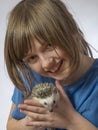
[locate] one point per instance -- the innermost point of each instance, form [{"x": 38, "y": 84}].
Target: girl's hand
[
  {"x": 25, "y": 127},
  {"x": 61, "y": 117},
  {"x": 27, "y": 108}
]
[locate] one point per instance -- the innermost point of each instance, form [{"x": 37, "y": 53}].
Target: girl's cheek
[{"x": 37, "y": 68}]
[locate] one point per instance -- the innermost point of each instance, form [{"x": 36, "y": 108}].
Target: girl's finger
[
  {"x": 61, "y": 90},
  {"x": 64, "y": 95},
  {"x": 35, "y": 116},
  {"x": 38, "y": 124},
  {"x": 35, "y": 109},
  {"x": 32, "y": 102}
]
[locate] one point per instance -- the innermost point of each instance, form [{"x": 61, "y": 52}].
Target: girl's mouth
[{"x": 58, "y": 68}]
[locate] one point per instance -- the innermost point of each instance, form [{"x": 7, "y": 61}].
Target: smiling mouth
[{"x": 57, "y": 68}]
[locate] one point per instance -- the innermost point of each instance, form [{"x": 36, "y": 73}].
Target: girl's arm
[
  {"x": 80, "y": 123},
  {"x": 13, "y": 124}
]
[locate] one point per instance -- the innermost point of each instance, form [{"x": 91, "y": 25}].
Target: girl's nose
[{"x": 47, "y": 63}]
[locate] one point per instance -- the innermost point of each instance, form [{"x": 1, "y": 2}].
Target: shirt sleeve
[{"x": 17, "y": 98}]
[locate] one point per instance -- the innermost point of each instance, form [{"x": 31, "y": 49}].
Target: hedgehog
[{"x": 47, "y": 95}]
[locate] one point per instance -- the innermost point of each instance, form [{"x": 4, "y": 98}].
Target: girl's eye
[
  {"x": 32, "y": 59},
  {"x": 49, "y": 46}
]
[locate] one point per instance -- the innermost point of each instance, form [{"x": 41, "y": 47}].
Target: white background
[{"x": 86, "y": 14}]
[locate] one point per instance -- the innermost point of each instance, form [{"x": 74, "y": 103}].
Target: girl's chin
[{"x": 60, "y": 78}]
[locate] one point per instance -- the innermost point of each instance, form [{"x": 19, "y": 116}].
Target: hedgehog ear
[{"x": 55, "y": 90}]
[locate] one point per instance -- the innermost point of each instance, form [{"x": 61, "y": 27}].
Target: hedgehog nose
[{"x": 51, "y": 110}]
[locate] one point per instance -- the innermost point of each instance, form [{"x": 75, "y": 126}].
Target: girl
[{"x": 44, "y": 44}]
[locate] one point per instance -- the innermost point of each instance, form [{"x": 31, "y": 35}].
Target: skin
[
  {"x": 50, "y": 62},
  {"x": 63, "y": 116},
  {"x": 46, "y": 61},
  {"x": 21, "y": 124}
]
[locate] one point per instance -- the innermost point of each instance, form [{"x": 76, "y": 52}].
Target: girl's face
[{"x": 47, "y": 61}]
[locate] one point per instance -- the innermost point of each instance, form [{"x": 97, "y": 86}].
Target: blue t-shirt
[{"x": 83, "y": 94}]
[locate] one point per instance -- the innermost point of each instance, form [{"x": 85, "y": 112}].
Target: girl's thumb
[{"x": 60, "y": 89}]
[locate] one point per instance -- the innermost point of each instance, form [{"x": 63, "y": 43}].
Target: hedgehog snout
[{"x": 51, "y": 110}]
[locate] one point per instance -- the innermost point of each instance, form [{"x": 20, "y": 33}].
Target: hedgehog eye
[
  {"x": 54, "y": 102},
  {"x": 45, "y": 103}
]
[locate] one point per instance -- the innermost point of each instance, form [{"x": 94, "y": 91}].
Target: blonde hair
[{"x": 49, "y": 20}]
